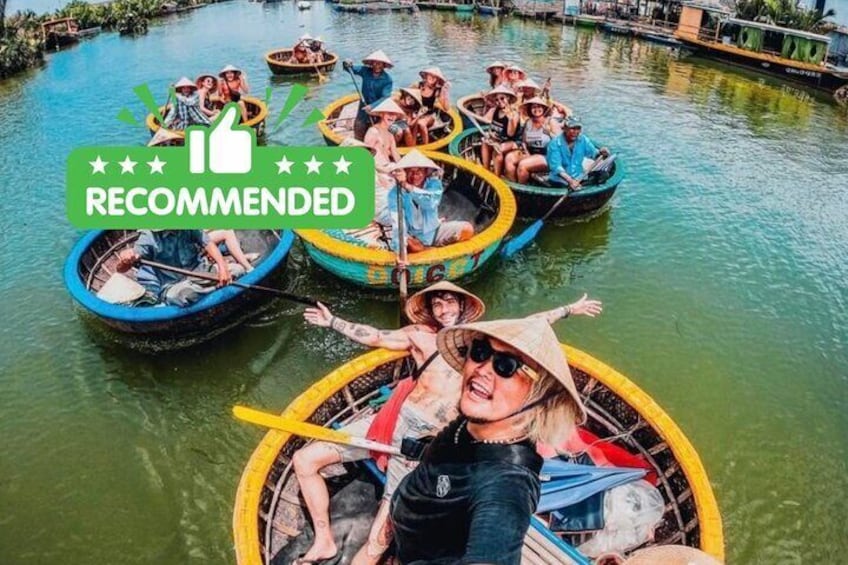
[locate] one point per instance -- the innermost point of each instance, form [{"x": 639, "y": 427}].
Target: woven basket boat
[
  {"x": 535, "y": 200},
  {"x": 278, "y": 63},
  {"x": 467, "y": 184},
  {"x": 92, "y": 262},
  {"x": 341, "y": 114},
  {"x": 268, "y": 516},
  {"x": 257, "y": 111}
]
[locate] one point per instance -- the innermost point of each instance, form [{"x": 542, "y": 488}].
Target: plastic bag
[{"x": 631, "y": 512}]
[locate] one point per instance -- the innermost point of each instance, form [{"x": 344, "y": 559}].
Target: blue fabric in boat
[{"x": 570, "y": 483}]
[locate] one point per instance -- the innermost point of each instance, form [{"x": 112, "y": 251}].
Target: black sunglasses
[{"x": 504, "y": 364}]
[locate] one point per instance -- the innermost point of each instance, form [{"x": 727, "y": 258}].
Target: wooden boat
[
  {"x": 657, "y": 37},
  {"x": 341, "y": 114},
  {"x": 303, "y": 5},
  {"x": 471, "y": 193},
  {"x": 257, "y": 111},
  {"x": 268, "y": 518},
  {"x": 588, "y": 21},
  {"x": 535, "y": 200},
  {"x": 474, "y": 106},
  {"x": 794, "y": 55},
  {"x": 488, "y": 10},
  {"x": 60, "y": 33},
  {"x": 617, "y": 27},
  {"x": 278, "y": 63},
  {"x": 375, "y": 7},
  {"x": 92, "y": 262}
]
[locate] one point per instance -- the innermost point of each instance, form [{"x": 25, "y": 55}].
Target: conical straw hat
[
  {"x": 304, "y": 37},
  {"x": 415, "y": 159},
  {"x": 671, "y": 555},
  {"x": 519, "y": 69},
  {"x": 120, "y": 289},
  {"x": 435, "y": 71},
  {"x": 533, "y": 337},
  {"x": 229, "y": 68},
  {"x": 387, "y": 106},
  {"x": 418, "y": 313},
  {"x": 529, "y": 83},
  {"x": 495, "y": 65},
  {"x": 415, "y": 93},
  {"x": 536, "y": 101},
  {"x": 200, "y": 78},
  {"x": 184, "y": 82},
  {"x": 501, "y": 89},
  {"x": 378, "y": 56}
]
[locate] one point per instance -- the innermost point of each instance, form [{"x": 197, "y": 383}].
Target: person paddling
[
  {"x": 565, "y": 155},
  {"x": 376, "y": 87}
]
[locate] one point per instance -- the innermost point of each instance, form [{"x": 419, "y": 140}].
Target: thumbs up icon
[{"x": 229, "y": 145}]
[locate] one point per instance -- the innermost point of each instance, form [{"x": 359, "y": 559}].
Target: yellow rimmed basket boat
[
  {"x": 257, "y": 112},
  {"x": 268, "y": 520},
  {"x": 278, "y": 63},
  {"x": 471, "y": 193},
  {"x": 341, "y": 114}
]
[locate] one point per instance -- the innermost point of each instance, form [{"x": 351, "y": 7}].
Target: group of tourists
[
  {"x": 307, "y": 51},
  {"x": 488, "y": 392},
  {"x": 200, "y": 101},
  {"x": 530, "y": 133}
]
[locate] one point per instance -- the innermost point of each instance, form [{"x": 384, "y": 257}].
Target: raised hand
[
  {"x": 586, "y": 307},
  {"x": 320, "y": 316}
]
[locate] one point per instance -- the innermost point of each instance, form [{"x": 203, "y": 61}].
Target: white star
[
  {"x": 98, "y": 165},
  {"x": 284, "y": 165},
  {"x": 342, "y": 166},
  {"x": 127, "y": 166},
  {"x": 156, "y": 165},
  {"x": 313, "y": 166}
]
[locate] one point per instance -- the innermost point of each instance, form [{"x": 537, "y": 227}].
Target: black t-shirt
[{"x": 466, "y": 502}]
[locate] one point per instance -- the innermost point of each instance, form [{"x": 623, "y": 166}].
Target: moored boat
[
  {"x": 257, "y": 111},
  {"x": 534, "y": 200},
  {"x": 269, "y": 522},
  {"x": 617, "y": 27},
  {"x": 470, "y": 193},
  {"x": 60, "y": 33},
  {"x": 794, "y": 55},
  {"x": 91, "y": 265},
  {"x": 341, "y": 114},
  {"x": 278, "y": 62},
  {"x": 375, "y": 7},
  {"x": 588, "y": 21}
]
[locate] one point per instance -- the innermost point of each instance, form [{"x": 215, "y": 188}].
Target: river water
[{"x": 721, "y": 263}]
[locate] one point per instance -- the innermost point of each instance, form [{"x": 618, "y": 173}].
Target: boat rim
[
  {"x": 154, "y": 126},
  {"x": 442, "y": 143},
  {"x": 245, "y": 512},
  {"x": 123, "y": 313},
  {"x": 493, "y": 233},
  {"x": 334, "y": 58}
]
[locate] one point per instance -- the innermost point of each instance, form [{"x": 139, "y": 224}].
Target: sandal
[{"x": 324, "y": 561}]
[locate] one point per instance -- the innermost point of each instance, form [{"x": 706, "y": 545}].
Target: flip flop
[{"x": 325, "y": 561}]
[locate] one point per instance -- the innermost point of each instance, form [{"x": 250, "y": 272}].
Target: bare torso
[{"x": 436, "y": 394}]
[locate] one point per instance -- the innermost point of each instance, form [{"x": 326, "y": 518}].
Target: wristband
[
  {"x": 332, "y": 321},
  {"x": 566, "y": 312}
]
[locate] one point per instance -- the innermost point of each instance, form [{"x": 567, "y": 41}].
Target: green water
[{"x": 721, "y": 264}]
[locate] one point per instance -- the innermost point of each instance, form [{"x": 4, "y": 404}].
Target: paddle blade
[{"x": 522, "y": 240}]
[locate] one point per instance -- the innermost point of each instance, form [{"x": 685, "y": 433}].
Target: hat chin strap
[{"x": 521, "y": 410}]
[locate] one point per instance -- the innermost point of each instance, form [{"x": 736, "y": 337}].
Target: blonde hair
[{"x": 554, "y": 420}]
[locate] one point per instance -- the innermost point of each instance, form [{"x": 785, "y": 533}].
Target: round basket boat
[
  {"x": 269, "y": 523},
  {"x": 91, "y": 265},
  {"x": 342, "y": 112},
  {"x": 278, "y": 63},
  {"x": 474, "y": 106},
  {"x": 535, "y": 200},
  {"x": 471, "y": 193},
  {"x": 257, "y": 111}
]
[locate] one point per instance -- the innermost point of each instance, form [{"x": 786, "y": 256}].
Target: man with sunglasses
[
  {"x": 471, "y": 498},
  {"x": 419, "y": 406},
  {"x": 566, "y": 152}
]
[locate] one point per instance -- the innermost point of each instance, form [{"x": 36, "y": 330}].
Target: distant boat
[
  {"x": 303, "y": 5},
  {"x": 60, "y": 33}
]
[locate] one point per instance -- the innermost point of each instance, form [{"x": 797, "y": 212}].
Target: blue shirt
[
  {"x": 570, "y": 161},
  {"x": 374, "y": 89},
  {"x": 420, "y": 211},
  {"x": 177, "y": 248}
]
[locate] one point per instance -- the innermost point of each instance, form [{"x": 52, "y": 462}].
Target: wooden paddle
[
  {"x": 522, "y": 240},
  {"x": 211, "y": 277},
  {"x": 470, "y": 116},
  {"x": 321, "y": 78},
  {"x": 305, "y": 429},
  {"x": 401, "y": 254}
]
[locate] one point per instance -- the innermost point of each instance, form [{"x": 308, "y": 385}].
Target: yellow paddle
[{"x": 304, "y": 429}]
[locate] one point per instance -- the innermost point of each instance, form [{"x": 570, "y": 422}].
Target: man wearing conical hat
[
  {"x": 376, "y": 86},
  {"x": 471, "y": 498},
  {"x": 420, "y": 404},
  {"x": 419, "y": 181},
  {"x": 566, "y": 152},
  {"x": 186, "y": 110}
]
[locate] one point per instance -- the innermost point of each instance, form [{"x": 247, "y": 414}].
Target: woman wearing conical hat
[
  {"x": 435, "y": 89},
  {"x": 232, "y": 86},
  {"x": 497, "y": 76},
  {"x": 430, "y": 395},
  {"x": 537, "y": 133},
  {"x": 505, "y": 121},
  {"x": 207, "y": 86},
  {"x": 376, "y": 86},
  {"x": 379, "y": 136},
  {"x": 471, "y": 498},
  {"x": 186, "y": 109},
  {"x": 408, "y": 130}
]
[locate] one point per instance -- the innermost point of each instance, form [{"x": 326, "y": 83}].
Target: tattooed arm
[
  {"x": 360, "y": 333},
  {"x": 583, "y": 307}
]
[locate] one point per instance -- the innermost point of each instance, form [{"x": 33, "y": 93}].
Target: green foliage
[{"x": 784, "y": 13}]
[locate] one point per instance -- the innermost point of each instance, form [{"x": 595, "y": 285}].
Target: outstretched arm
[
  {"x": 583, "y": 307},
  {"x": 366, "y": 335}
]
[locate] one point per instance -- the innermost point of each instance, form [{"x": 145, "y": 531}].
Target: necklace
[{"x": 464, "y": 426}]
